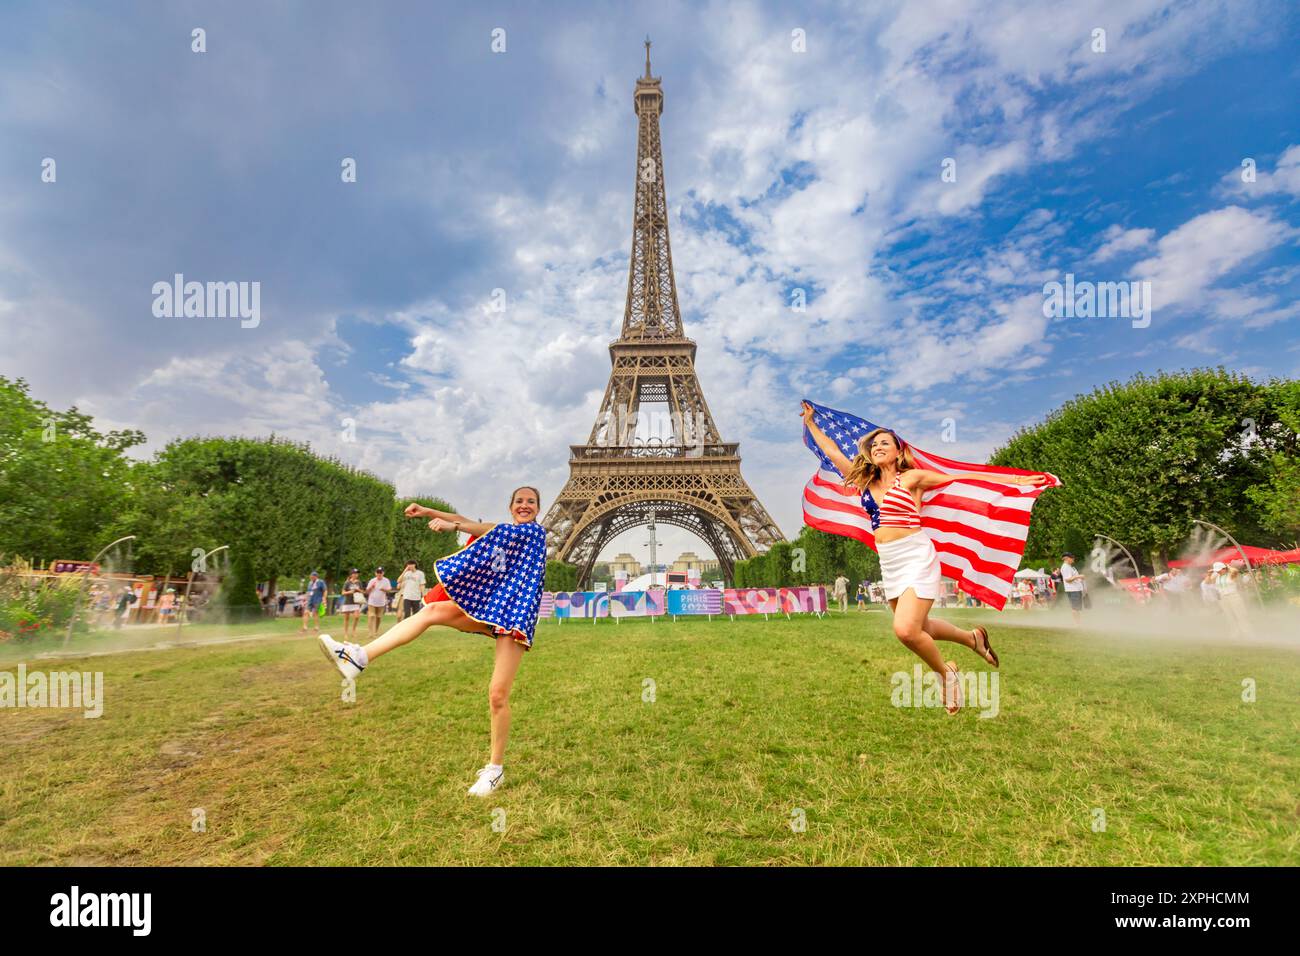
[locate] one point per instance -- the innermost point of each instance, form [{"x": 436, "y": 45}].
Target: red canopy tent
[{"x": 1254, "y": 554}]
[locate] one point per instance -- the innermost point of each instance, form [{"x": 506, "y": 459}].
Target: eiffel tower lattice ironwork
[{"x": 654, "y": 448}]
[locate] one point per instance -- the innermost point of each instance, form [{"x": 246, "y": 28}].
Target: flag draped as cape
[
  {"x": 978, "y": 527},
  {"x": 497, "y": 578}
]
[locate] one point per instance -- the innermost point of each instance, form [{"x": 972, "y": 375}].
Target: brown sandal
[
  {"x": 988, "y": 650},
  {"x": 952, "y": 683}
]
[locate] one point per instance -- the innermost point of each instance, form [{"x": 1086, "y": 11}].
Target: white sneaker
[
  {"x": 350, "y": 659},
  {"x": 489, "y": 779}
]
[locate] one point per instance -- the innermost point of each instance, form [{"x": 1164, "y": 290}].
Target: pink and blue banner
[
  {"x": 592, "y": 604},
  {"x": 695, "y": 602},
  {"x": 582, "y": 604},
  {"x": 636, "y": 604},
  {"x": 774, "y": 600},
  {"x": 596, "y": 604}
]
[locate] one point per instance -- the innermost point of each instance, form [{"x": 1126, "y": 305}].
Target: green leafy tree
[
  {"x": 62, "y": 483},
  {"x": 826, "y": 556},
  {"x": 1278, "y": 497},
  {"x": 1141, "y": 461},
  {"x": 560, "y": 576},
  {"x": 413, "y": 541},
  {"x": 779, "y": 561},
  {"x": 273, "y": 501},
  {"x": 238, "y": 596},
  {"x": 739, "y": 574}
]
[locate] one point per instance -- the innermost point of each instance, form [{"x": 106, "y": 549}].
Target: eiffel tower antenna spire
[
  {"x": 651, "y": 310},
  {"x": 654, "y": 449}
]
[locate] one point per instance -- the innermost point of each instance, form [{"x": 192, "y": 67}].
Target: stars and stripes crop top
[{"x": 897, "y": 509}]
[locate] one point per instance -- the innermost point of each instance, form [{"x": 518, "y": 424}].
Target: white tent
[
  {"x": 1030, "y": 573},
  {"x": 643, "y": 582}
]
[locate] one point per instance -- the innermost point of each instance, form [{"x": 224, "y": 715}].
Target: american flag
[{"x": 978, "y": 527}]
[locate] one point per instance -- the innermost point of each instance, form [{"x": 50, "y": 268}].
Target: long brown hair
[{"x": 862, "y": 472}]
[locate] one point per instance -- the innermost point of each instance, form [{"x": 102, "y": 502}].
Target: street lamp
[{"x": 654, "y": 553}]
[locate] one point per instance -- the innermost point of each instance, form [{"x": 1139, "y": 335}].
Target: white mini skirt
[{"x": 910, "y": 562}]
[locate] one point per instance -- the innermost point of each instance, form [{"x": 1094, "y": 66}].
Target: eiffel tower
[{"x": 654, "y": 454}]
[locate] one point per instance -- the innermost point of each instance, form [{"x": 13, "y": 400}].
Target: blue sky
[{"x": 477, "y": 171}]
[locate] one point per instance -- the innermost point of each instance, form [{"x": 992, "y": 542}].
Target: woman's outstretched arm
[
  {"x": 476, "y": 528},
  {"x": 823, "y": 441},
  {"x": 924, "y": 479},
  {"x": 416, "y": 510}
]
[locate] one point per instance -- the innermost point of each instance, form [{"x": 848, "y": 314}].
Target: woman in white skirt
[{"x": 891, "y": 487}]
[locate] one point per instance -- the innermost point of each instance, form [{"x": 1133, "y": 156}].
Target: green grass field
[{"x": 751, "y": 722}]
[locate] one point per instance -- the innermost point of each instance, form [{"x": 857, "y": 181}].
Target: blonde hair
[{"x": 862, "y": 472}]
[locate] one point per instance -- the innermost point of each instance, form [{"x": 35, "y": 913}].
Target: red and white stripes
[{"x": 978, "y": 527}]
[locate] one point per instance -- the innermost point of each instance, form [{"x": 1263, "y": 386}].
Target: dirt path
[{"x": 72, "y": 653}]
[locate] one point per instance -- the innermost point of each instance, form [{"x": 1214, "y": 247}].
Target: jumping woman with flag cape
[
  {"x": 875, "y": 487},
  {"x": 493, "y": 586}
]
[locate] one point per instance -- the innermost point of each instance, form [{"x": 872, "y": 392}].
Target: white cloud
[
  {"x": 1191, "y": 258},
  {"x": 865, "y": 117},
  {"x": 1118, "y": 240},
  {"x": 1284, "y": 179}
]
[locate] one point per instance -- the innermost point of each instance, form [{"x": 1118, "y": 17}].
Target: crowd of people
[
  {"x": 112, "y": 606},
  {"x": 376, "y": 597},
  {"x": 1226, "y": 588}
]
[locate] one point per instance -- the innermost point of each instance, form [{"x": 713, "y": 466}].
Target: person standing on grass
[
  {"x": 315, "y": 598},
  {"x": 891, "y": 487},
  {"x": 862, "y": 596},
  {"x": 1209, "y": 590},
  {"x": 102, "y": 604},
  {"x": 1072, "y": 581},
  {"x": 493, "y": 587},
  {"x": 1230, "y": 600},
  {"x": 167, "y": 605},
  {"x": 377, "y": 590},
  {"x": 841, "y": 592},
  {"x": 410, "y": 585},
  {"x": 1176, "y": 586},
  {"x": 124, "y": 602},
  {"x": 354, "y": 599}
]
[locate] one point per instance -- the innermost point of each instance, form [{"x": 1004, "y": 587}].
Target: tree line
[
  {"x": 1140, "y": 462},
  {"x": 814, "y": 557},
  {"x": 67, "y": 490}
]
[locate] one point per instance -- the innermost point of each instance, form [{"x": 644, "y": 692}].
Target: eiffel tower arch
[{"x": 654, "y": 446}]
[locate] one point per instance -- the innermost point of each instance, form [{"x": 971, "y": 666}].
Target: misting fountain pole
[
  {"x": 1136, "y": 569},
  {"x": 1241, "y": 551},
  {"x": 202, "y": 562},
  {"x": 86, "y": 577}
]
